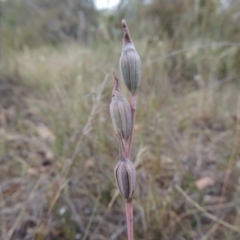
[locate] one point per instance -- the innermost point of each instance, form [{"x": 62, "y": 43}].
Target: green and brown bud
[
  {"x": 120, "y": 112},
  {"x": 130, "y": 62},
  {"x": 125, "y": 175}
]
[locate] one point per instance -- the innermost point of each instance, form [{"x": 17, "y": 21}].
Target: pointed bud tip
[
  {"x": 114, "y": 74},
  {"x": 115, "y": 88},
  {"x": 126, "y": 34},
  {"x": 124, "y": 24}
]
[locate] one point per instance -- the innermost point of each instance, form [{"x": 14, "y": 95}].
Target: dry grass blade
[
  {"x": 24, "y": 206},
  {"x": 91, "y": 220},
  {"x": 54, "y": 201},
  {"x": 210, "y": 216},
  {"x": 86, "y": 130},
  {"x": 235, "y": 147},
  {"x": 180, "y": 51},
  {"x": 87, "y": 127},
  {"x": 3, "y": 226}
]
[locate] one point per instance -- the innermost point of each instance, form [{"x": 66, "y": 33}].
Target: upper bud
[
  {"x": 120, "y": 112},
  {"x": 130, "y": 62}
]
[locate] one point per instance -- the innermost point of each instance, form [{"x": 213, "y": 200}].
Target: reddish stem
[
  {"x": 129, "y": 205},
  {"x": 129, "y": 216},
  {"x": 133, "y": 105}
]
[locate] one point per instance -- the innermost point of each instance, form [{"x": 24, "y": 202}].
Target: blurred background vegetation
[{"x": 57, "y": 146}]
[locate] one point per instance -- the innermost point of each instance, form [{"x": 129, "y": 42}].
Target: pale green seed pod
[
  {"x": 130, "y": 62},
  {"x": 125, "y": 175},
  {"x": 120, "y": 113}
]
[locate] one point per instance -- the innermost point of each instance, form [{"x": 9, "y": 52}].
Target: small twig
[
  {"x": 19, "y": 217},
  {"x": 53, "y": 202},
  {"x": 75, "y": 213},
  {"x": 91, "y": 220},
  {"x": 3, "y": 227},
  {"x": 121, "y": 230},
  {"x": 198, "y": 225},
  {"x": 180, "y": 222},
  {"x": 212, "y": 229},
  {"x": 115, "y": 195}
]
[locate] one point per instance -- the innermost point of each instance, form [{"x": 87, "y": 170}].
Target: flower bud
[
  {"x": 120, "y": 113},
  {"x": 125, "y": 175},
  {"x": 130, "y": 62}
]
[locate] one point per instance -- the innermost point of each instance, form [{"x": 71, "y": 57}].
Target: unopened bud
[
  {"x": 125, "y": 175},
  {"x": 130, "y": 62},
  {"x": 120, "y": 113}
]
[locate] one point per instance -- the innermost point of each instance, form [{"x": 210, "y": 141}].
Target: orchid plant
[{"x": 123, "y": 119}]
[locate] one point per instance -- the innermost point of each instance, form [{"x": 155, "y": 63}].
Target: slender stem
[
  {"x": 133, "y": 105},
  {"x": 129, "y": 216},
  {"x": 128, "y": 204}
]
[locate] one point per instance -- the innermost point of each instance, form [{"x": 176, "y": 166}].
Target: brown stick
[{"x": 129, "y": 216}]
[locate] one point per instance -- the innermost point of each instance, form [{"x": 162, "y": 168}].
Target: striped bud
[
  {"x": 125, "y": 175},
  {"x": 120, "y": 113},
  {"x": 130, "y": 62}
]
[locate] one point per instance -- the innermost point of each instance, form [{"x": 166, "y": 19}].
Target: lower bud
[{"x": 125, "y": 174}]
